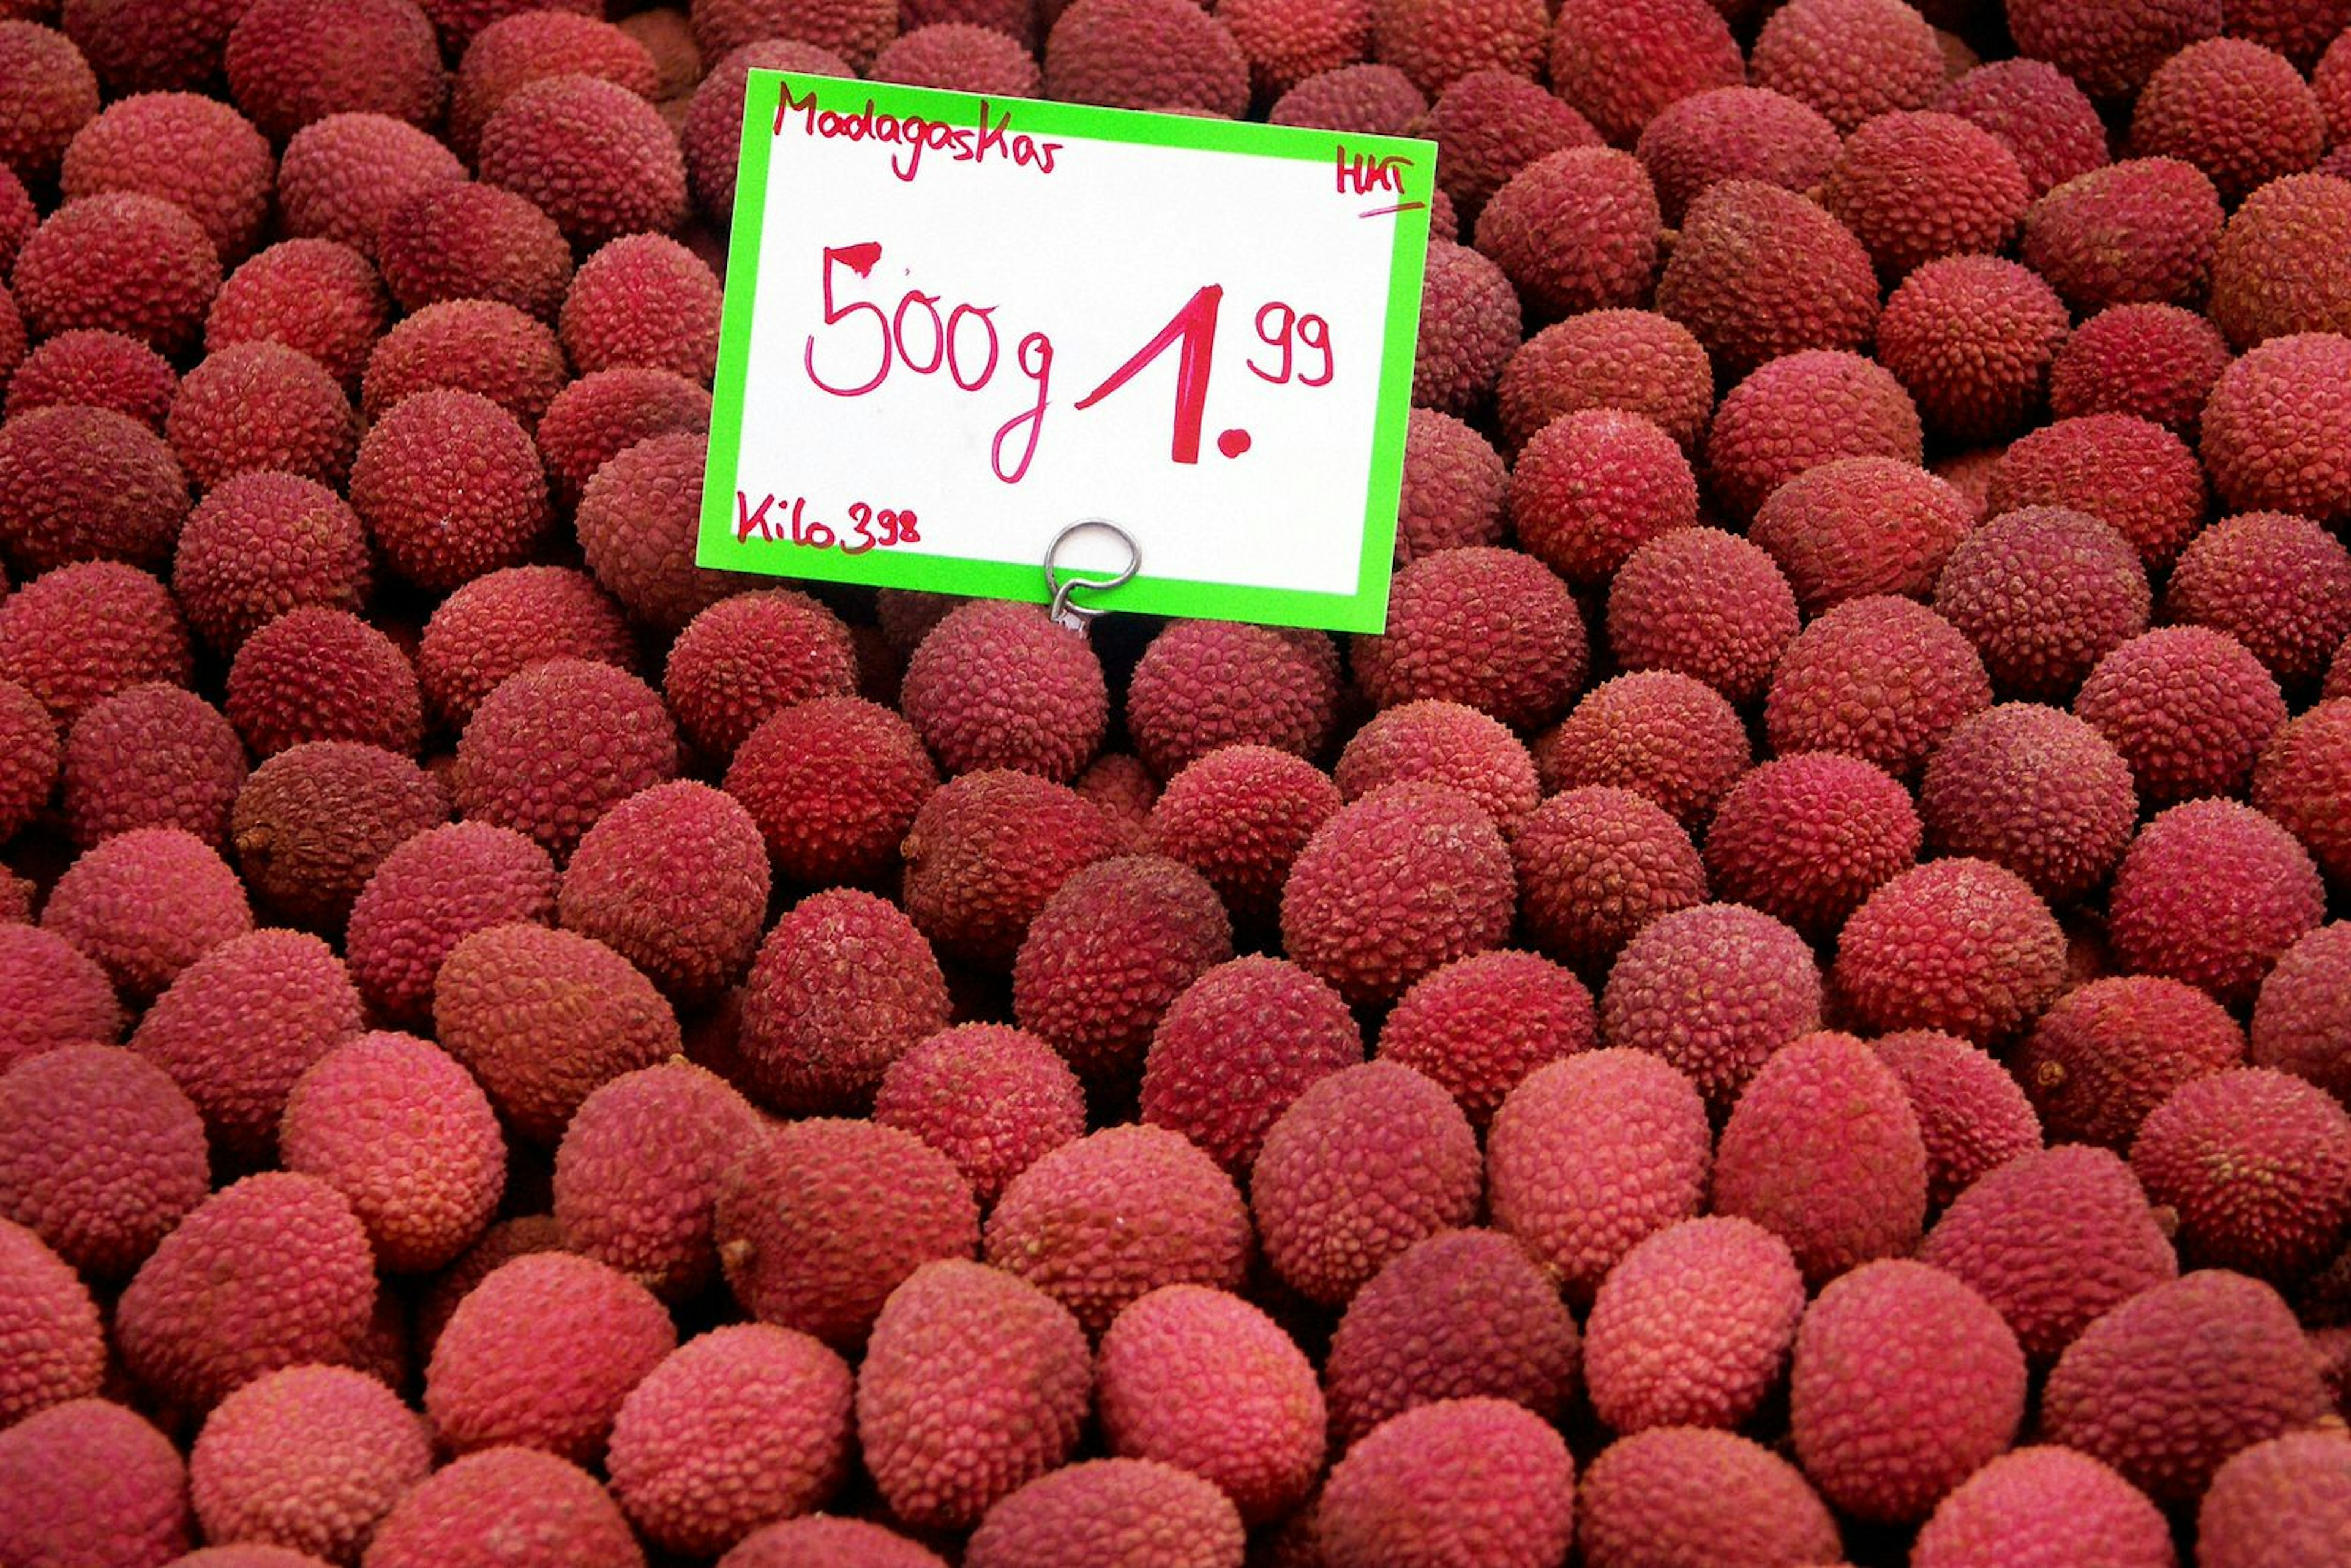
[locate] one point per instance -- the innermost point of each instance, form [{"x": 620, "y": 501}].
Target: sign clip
[{"x": 1065, "y": 609}]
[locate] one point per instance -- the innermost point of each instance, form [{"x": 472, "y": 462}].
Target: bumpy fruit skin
[
  {"x": 1806, "y": 837},
  {"x": 991, "y": 1098},
  {"x": 1404, "y": 1343},
  {"x": 1593, "y": 486},
  {"x": 1683, "y": 1498},
  {"x": 2142, "y": 231},
  {"x": 1745, "y": 315},
  {"x": 2045, "y": 118},
  {"x": 1395, "y": 886},
  {"x": 1665, "y": 736},
  {"x": 1204, "y": 685},
  {"x": 1455, "y": 488},
  {"x": 1237, "y": 1047},
  {"x": 602, "y": 414},
  {"x": 1622, "y": 64},
  {"x": 343, "y": 173},
  {"x": 437, "y": 444},
  {"x": 306, "y": 1458},
  {"x": 790, "y": 1256},
  {"x": 2211, "y": 892},
  {"x": 974, "y": 1382},
  {"x": 1596, "y": 865},
  {"x": 2280, "y": 268},
  {"x": 552, "y": 749},
  {"x": 1200, "y": 1379},
  {"x": 1636, "y": 361},
  {"x": 1443, "y": 743},
  {"x": 2278, "y": 584},
  {"x": 482, "y": 346},
  {"x": 86, "y": 1477},
  {"x": 987, "y": 851},
  {"x": 1972, "y": 1115},
  {"x": 750, "y": 655},
  {"x": 511, "y": 53},
  {"x": 1461, "y": 1480},
  {"x": 1850, "y": 59},
  {"x": 1479, "y": 1025},
  {"x": 1733, "y": 132},
  {"x": 1111, "y": 1513},
  {"x": 82, "y": 632},
  {"x": 2045, "y": 1505},
  {"x": 2108, "y": 1052},
  {"x": 2111, "y": 49},
  {"x": 150, "y": 756},
  {"x": 2237, "y": 110},
  {"x": 1146, "y": 54},
  {"x": 1362, "y": 1164},
  {"x": 2156, "y": 362},
  {"x": 1693, "y": 1326},
  {"x": 313, "y": 823},
  {"x": 125, "y": 262},
  {"x": 1469, "y": 329},
  {"x": 2277, "y": 428},
  {"x": 2302, "y": 1007},
  {"x": 98, "y": 369},
  {"x": 2285, "y": 1501},
  {"x": 1589, "y": 1154},
  {"x": 1973, "y": 338},
  {"x": 543, "y": 1018},
  {"x": 738, "y": 1428},
  {"x": 2053, "y": 1240},
  {"x": 54, "y": 995},
  {"x": 1490, "y": 125},
  {"x": 1958, "y": 944},
  {"x": 51, "y": 1348},
  {"x": 87, "y": 484},
  {"x": 1765, "y": 985},
  {"x": 469, "y": 241},
  {"x": 999, "y": 684},
  {"x": 2169, "y": 1385},
  {"x": 261, "y": 545},
  {"x": 291, "y": 62},
  {"x": 195, "y": 151},
  {"x": 1824, "y": 1149},
  {"x": 468, "y": 1514},
  {"x": 640, "y": 1170},
  {"x": 1705, "y": 603},
  {"x": 30, "y": 771},
  {"x": 2190, "y": 708},
  {"x": 832, "y": 783},
  {"x": 1809, "y": 409},
  {"x": 101, "y": 1156},
  {"x": 1914, "y": 185},
  {"x": 1372, "y": 98},
  {"x": 408, "y": 1137},
  {"x": 2036, "y": 790},
  {"x": 842, "y": 985},
  {"x": 965, "y": 56},
  {"x": 674, "y": 879},
  {"x": 1109, "y": 953},
  {"x": 274, "y": 1270},
  {"x": 147, "y": 904},
  {"x": 314, "y": 294},
  {"x": 431, "y": 893},
  {"x": 822, "y": 1541},
  {"x": 1905, "y": 1381},
  {"x": 2257, "y": 1164},
  {"x": 541, "y": 1354},
  {"x": 1238, "y": 815},
  {"x": 1575, "y": 230},
  {"x": 2044, "y": 592},
  {"x": 592, "y": 156},
  {"x": 712, "y": 134},
  {"x": 1071, "y": 1225},
  {"x": 319, "y": 673},
  {"x": 643, "y": 300}
]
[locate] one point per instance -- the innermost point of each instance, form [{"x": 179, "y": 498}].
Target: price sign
[{"x": 955, "y": 325}]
